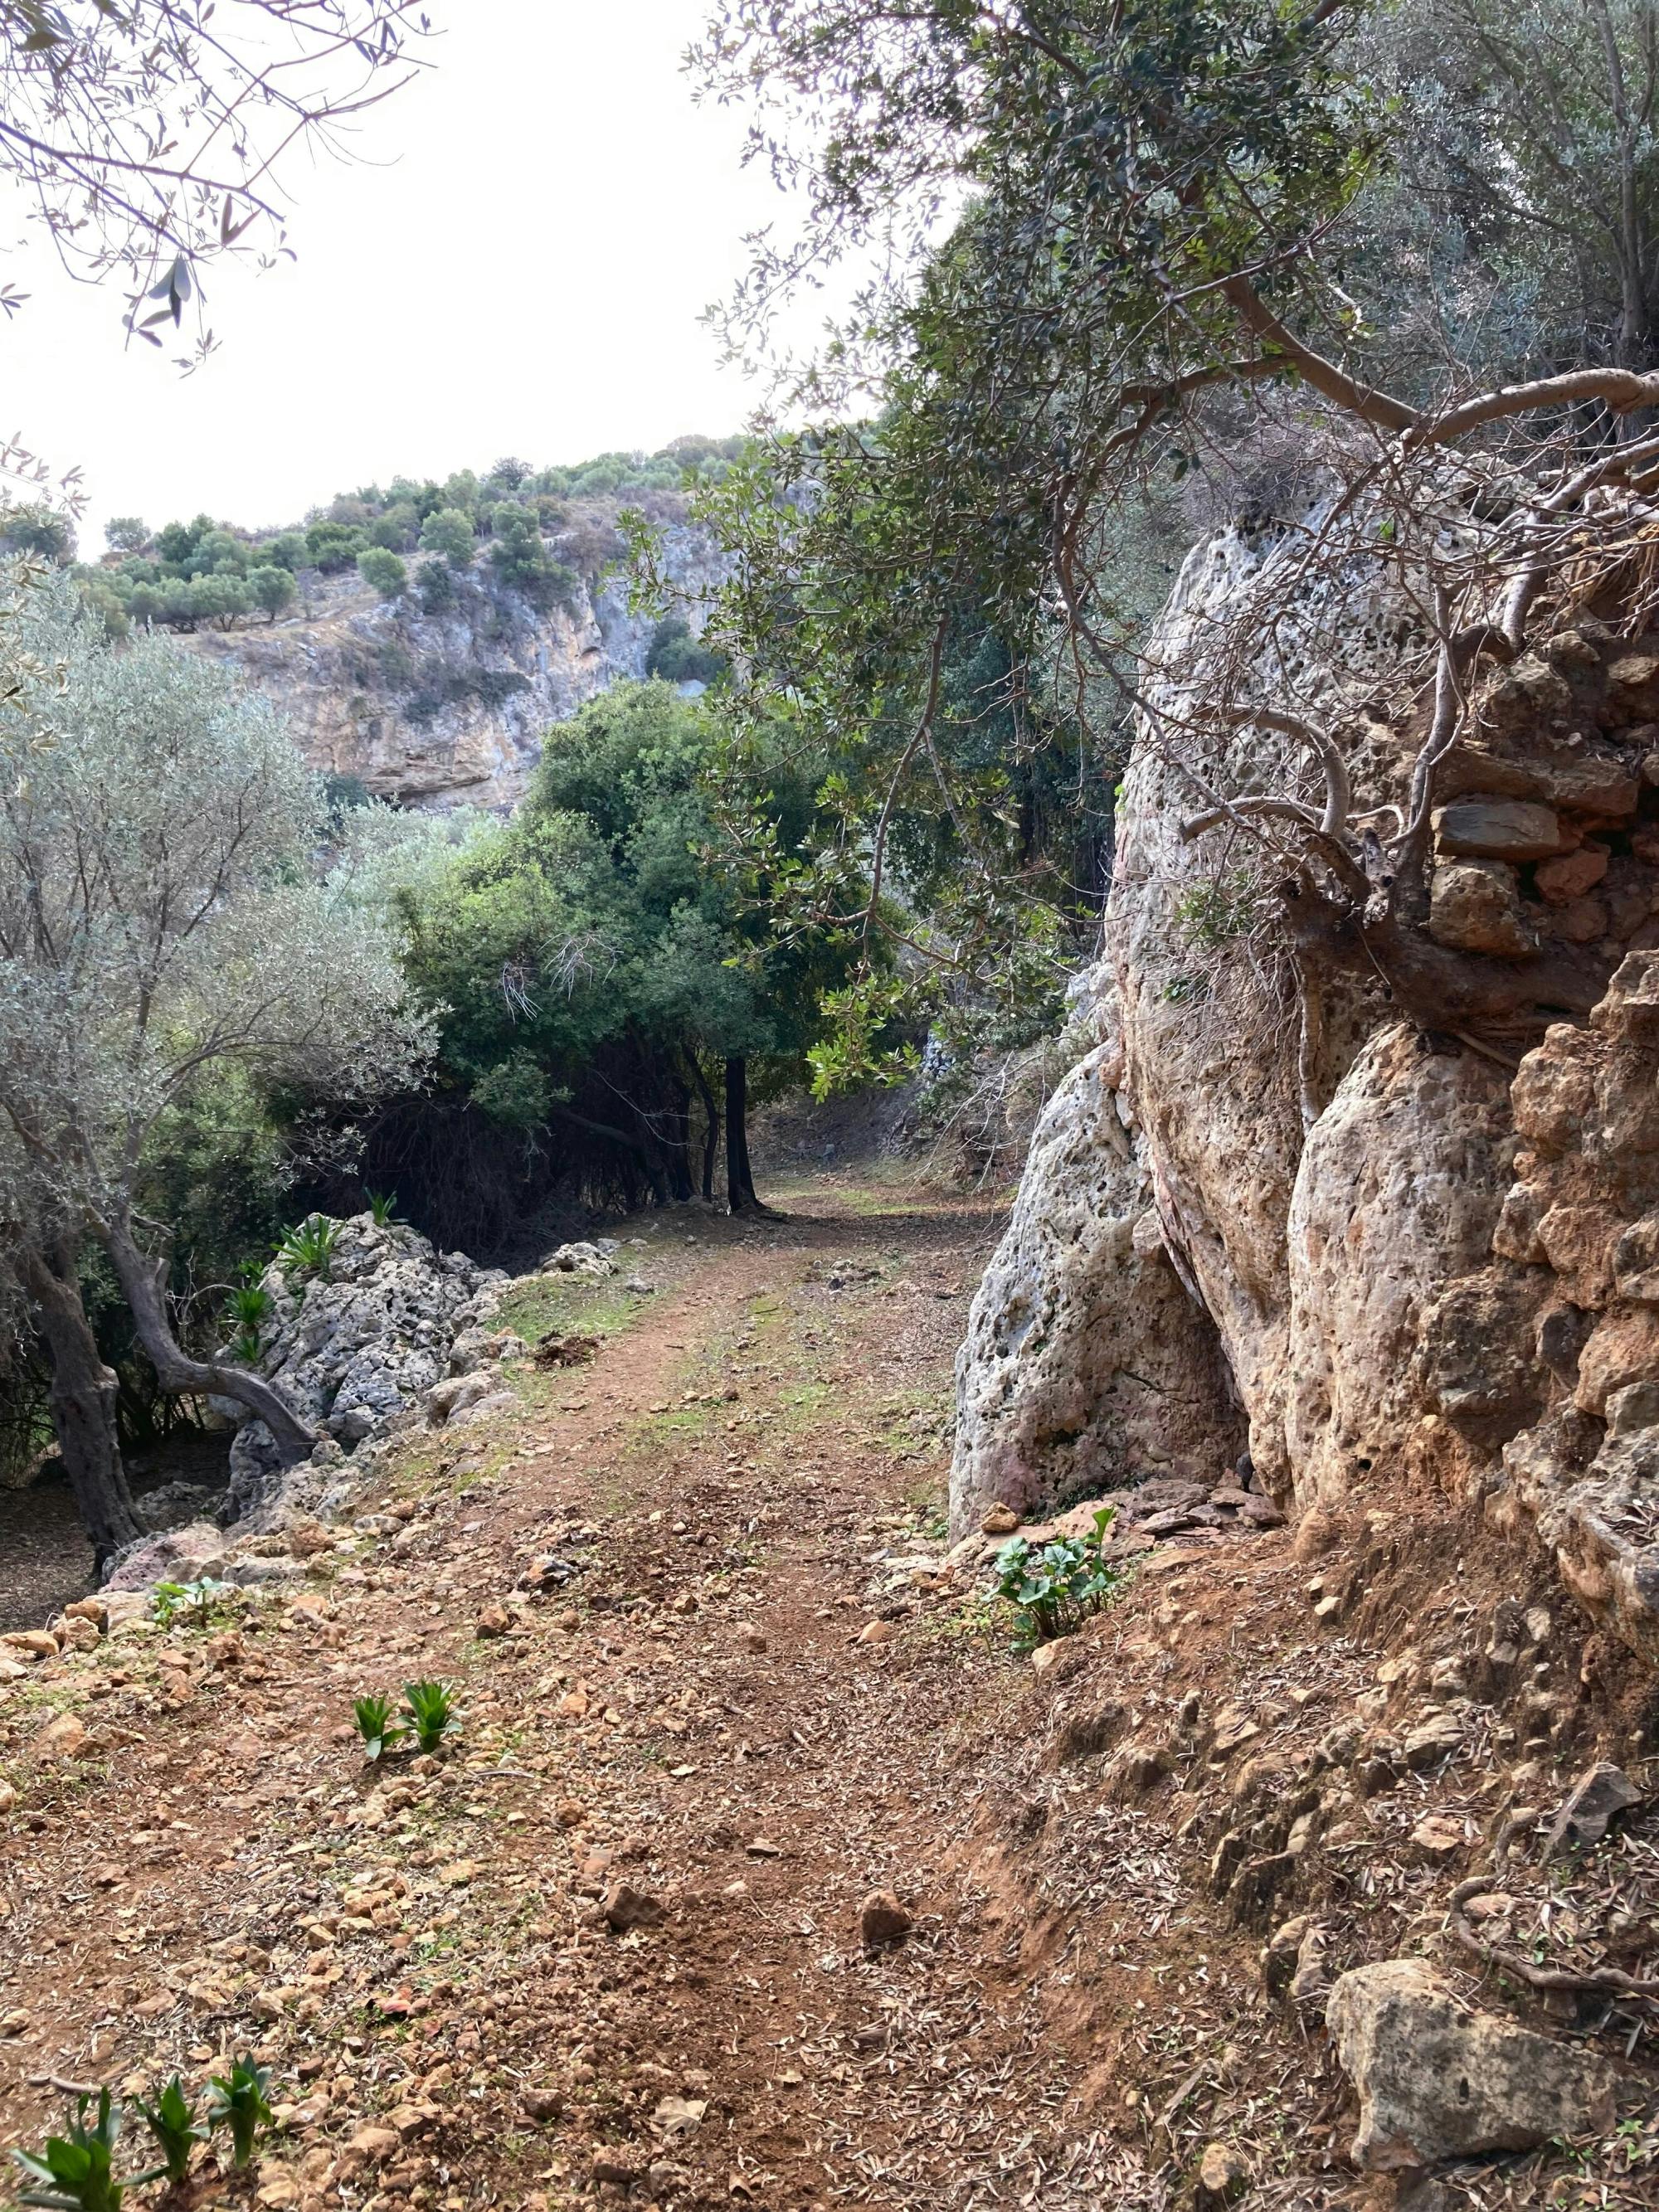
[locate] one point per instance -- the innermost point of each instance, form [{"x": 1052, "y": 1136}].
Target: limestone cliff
[
  {"x": 1392, "y": 1253},
  {"x": 444, "y": 709}
]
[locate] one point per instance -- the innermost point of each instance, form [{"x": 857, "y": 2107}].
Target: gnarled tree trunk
[
  {"x": 140, "y": 1276},
  {"x": 83, "y": 1404}
]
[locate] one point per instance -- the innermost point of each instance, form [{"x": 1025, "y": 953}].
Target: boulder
[
  {"x": 1474, "y": 906},
  {"x": 1595, "y": 1801},
  {"x": 1087, "y": 1360},
  {"x": 592, "y": 1260},
  {"x": 1437, "y": 2081}
]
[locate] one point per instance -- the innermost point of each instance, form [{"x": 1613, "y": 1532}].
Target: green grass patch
[{"x": 572, "y": 1308}]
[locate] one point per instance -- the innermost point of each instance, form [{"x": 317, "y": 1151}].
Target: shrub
[
  {"x": 679, "y": 658},
  {"x": 247, "y": 1306},
  {"x": 194, "y": 1603},
  {"x": 435, "y": 580},
  {"x": 333, "y": 546},
  {"x": 271, "y": 588},
  {"x": 397, "y": 528},
  {"x": 382, "y": 571},
  {"x": 382, "y": 1206},
  {"x": 1055, "y": 1589},
  {"x": 288, "y": 550},
  {"x": 39, "y": 529},
  {"x": 449, "y": 533},
  {"x": 308, "y": 1248}
]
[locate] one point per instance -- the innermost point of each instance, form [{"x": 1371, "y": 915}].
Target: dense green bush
[
  {"x": 449, "y": 533},
  {"x": 333, "y": 546},
  {"x": 679, "y": 658},
  {"x": 434, "y": 581},
  {"x": 382, "y": 571},
  {"x": 271, "y": 588}
]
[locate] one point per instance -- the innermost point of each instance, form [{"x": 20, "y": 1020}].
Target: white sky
[{"x": 522, "y": 272}]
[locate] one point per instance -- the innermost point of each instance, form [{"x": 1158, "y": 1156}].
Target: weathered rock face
[
  {"x": 355, "y": 1351},
  {"x": 1580, "y": 1228},
  {"x": 1088, "y": 1362},
  {"x": 1403, "y": 1254},
  {"x": 447, "y": 708},
  {"x": 1399, "y": 1187}
]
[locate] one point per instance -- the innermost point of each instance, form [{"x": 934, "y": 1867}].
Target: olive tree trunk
[
  {"x": 140, "y": 1276},
  {"x": 83, "y": 1404}
]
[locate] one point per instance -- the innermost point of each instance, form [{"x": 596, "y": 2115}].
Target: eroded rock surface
[
  {"x": 438, "y": 709},
  {"x": 355, "y": 1349},
  {"x": 1088, "y": 1362},
  {"x": 1385, "y": 1251}
]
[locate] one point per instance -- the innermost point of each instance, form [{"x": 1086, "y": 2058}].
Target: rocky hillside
[{"x": 446, "y": 709}]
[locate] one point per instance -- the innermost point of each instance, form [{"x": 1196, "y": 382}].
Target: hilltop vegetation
[{"x": 546, "y": 534}]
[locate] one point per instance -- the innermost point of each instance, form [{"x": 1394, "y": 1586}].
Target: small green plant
[
  {"x": 194, "y": 1604},
  {"x": 308, "y": 1248},
  {"x": 238, "y": 2101},
  {"x": 432, "y": 1715},
  {"x": 246, "y": 1309},
  {"x": 75, "y": 2172},
  {"x": 1055, "y": 1589},
  {"x": 382, "y": 1206},
  {"x": 172, "y": 2120},
  {"x": 376, "y": 1726}
]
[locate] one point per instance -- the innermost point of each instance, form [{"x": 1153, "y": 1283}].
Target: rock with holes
[
  {"x": 1436, "y": 2081},
  {"x": 355, "y": 1347}
]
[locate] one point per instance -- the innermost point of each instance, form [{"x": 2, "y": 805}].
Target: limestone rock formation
[
  {"x": 436, "y": 710},
  {"x": 1088, "y": 1361},
  {"x": 1382, "y": 1248},
  {"x": 355, "y": 1349}
]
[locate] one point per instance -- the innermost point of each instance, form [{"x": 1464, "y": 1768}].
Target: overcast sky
[{"x": 521, "y": 270}]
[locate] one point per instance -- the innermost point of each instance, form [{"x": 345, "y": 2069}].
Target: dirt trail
[{"x": 735, "y": 1488}]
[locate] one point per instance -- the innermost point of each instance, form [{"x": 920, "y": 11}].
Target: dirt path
[{"x": 687, "y": 1722}]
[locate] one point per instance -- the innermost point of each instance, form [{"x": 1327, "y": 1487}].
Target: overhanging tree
[{"x": 1101, "y": 233}]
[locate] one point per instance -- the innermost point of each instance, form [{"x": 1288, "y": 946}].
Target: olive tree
[{"x": 161, "y": 921}]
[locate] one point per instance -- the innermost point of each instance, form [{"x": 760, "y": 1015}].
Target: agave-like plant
[
  {"x": 309, "y": 1246},
  {"x": 172, "y": 2120},
  {"x": 76, "y": 2171}
]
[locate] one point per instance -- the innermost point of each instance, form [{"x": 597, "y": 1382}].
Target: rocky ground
[{"x": 764, "y": 1872}]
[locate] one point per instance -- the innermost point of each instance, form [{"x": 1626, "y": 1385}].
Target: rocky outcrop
[
  {"x": 1088, "y": 1362},
  {"x": 1580, "y": 1229},
  {"x": 437, "y": 710},
  {"x": 356, "y": 1347},
  {"x": 1404, "y": 1251}
]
